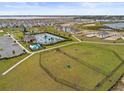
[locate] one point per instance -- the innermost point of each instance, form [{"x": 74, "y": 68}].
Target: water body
[
  {"x": 22, "y": 17},
  {"x": 115, "y": 25}
]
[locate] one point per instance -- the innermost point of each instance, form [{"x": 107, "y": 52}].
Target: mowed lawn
[
  {"x": 78, "y": 74},
  {"x": 82, "y": 65},
  {"x": 7, "y": 63},
  {"x": 89, "y": 64},
  {"x": 96, "y": 56},
  {"x": 29, "y": 76}
]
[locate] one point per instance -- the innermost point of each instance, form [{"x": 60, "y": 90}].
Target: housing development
[{"x": 61, "y": 52}]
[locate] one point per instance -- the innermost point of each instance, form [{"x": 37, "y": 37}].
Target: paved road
[
  {"x": 102, "y": 43},
  {"x": 57, "y": 47},
  {"x": 76, "y": 38}
]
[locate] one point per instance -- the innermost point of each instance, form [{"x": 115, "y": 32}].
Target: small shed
[{"x": 35, "y": 46}]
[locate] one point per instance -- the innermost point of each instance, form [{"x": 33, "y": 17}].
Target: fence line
[
  {"x": 83, "y": 63},
  {"x": 62, "y": 81}
]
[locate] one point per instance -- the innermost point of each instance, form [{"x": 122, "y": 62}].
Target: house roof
[
  {"x": 29, "y": 38},
  {"x": 103, "y": 33}
]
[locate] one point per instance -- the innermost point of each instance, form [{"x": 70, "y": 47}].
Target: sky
[{"x": 61, "y": 8}]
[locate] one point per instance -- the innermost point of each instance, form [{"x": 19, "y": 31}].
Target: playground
[{"x": 47, "y": 38}]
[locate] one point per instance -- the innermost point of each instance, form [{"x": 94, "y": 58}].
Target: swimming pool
[{"x": 47, "y": 38}]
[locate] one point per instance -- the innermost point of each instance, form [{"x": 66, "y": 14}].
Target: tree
[
  {"x": 23, "y": 28},
  {"x": 24, "y": 50},
  {"x": 45, "y": 37},
  {"x": 14, "y": 41},
  {"x": 13, "y": 52},
  {"x": 52, "y": 39},
  {"x": 49, "y": 39},
  {"x": 21, "y": 37}
]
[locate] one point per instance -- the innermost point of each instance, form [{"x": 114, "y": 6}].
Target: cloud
[{"x": 44, "y": 8}]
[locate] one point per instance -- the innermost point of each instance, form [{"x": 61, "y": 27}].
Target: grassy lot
[
  {"x": 119, "y": 41},
  {"x": 116, "y": 74},
  {"x": 30, "y": 76},
  {"x": 26, "y": 45},
  {"x": 83, "y": 66},
  {"x": 102, "y": 59},
  {"x": 5, "y": 64},
  {"x": 1, "y": 49},
  {"x": 96, "y": 26},
  {"x": 79, "y": 75},
  {"x": 93, "y": 55},
  {"x": 18, "y": 34},
  {"x": 2, "y": 33}
]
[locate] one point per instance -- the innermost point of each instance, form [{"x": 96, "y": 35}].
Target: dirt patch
[
  {"x": 119, "y": 86},
  {"x": 1, "y": 31}
]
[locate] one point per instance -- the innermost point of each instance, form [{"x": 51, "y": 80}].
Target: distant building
[
  {"x": 29, "y": 38},
  {"x": 102, "y": 34},
  {"x": 35, "y": 47}
]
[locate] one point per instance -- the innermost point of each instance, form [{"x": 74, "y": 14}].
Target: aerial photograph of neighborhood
[{"x": 61, "y": 46}]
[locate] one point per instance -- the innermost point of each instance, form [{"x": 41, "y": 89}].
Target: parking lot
[{"x": 9, "y": 48}]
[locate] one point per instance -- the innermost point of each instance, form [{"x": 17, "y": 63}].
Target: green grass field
[
  {"x": 2, "y": 33},
  {"x": 75, "y": 67},
  {"x": 30, "y": 76},
  {"x": 90, "y": 64},
  {"x": 79, "y": 75},
  {"x": 93, "y": 55},
  {"x": 86, "y": 26},
  {"x": 7, "y": 63}
]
